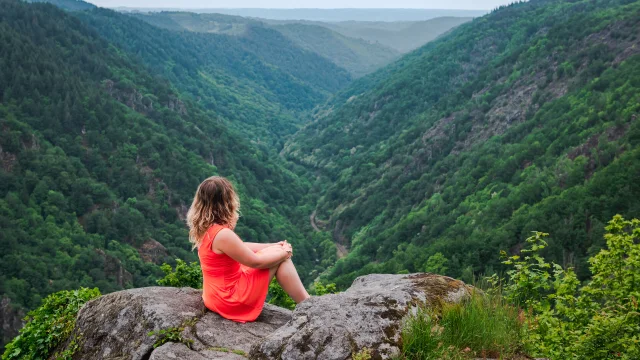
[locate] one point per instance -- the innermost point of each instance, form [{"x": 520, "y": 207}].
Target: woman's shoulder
[{"x": 216, "y": 229}]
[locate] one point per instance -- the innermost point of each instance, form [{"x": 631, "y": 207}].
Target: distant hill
[
  {"x": 401, "y": 36},
  {"x": 358, "y": 56},
  {"x": 197, "y": 22},
  {"x": 70, "y": 5},
  {"x": 360, "y": 47},
  {"x": 330, "y": 15}
]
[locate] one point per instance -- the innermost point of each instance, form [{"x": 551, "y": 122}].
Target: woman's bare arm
[
  {"x": 255, "y": 247},
  {"x": 229, "y": 243}
]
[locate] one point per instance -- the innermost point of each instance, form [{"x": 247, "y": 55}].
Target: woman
[{"x": 236, "y": 274}]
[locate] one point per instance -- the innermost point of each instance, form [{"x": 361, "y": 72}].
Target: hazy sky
[{"x": 326, "y": 4}]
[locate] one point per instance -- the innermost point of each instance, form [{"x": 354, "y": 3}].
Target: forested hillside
[
  {"x": 257, "y": 84},
  {"x": 525, "y": 119},
  {"x": 99, "y": 157}
]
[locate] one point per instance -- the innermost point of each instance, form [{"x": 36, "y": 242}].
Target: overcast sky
[{"x": 325, "y": 4}]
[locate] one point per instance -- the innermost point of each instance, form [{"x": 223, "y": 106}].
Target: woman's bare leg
[{"x": 288, "y": 278}]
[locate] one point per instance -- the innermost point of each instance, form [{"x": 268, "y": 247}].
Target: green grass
[
  {"x": 483, "y": 326},
  {"x": 226, "y": 350}
]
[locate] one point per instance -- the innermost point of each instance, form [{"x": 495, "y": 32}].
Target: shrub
[
  {"x": 184, "y": 275},
  {"x": 599, "y": 320},
  {"x": 49, "y": 326},
  {"x": 278, "y": 297}
]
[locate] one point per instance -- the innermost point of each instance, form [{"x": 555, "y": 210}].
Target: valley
[{"x": 429, "y": 143}]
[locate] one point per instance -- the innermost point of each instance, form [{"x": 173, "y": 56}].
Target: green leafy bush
[
  {"x": 599, "y": 320},
  {"x": 184, "y": 275},
  {"x": 278, "y": 297},
  {"x": 49, "y": 325},
  {"x": 322, "y": 289}
]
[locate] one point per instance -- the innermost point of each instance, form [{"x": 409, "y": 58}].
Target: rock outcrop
[
  {"x": 127, "y": 324},
  {"x": 10, "y": 321},
  {"x": 368, "y": 315},
  {"x": 130, "y": 324}
]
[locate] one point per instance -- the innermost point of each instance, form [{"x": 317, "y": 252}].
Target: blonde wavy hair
[{"x": 215, "y": 202}]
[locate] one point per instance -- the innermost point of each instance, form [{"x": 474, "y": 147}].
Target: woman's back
[{"x": 235, "y": 291}]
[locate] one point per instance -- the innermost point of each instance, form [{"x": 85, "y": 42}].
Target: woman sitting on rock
[{"x": 236, "y": 274}]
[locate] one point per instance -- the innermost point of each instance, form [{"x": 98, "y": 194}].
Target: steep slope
[
  {"x": 357, "y": 56},
  {"x": 526, "y": 119},
  {"x": 256, "y": 83},
  {"x": 99, "y": 159}
]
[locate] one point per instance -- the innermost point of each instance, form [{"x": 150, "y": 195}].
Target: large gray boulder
[
  {"x": 367, "y": 316},
  {"x": 117, "y": 326}
]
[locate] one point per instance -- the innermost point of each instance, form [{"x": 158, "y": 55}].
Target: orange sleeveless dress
[{"x": 234, "y": 291}]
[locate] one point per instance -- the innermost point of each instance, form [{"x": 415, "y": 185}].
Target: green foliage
[
  {"x": 184, "y": 275},
  {"x": 320, "y": 289},
  {"x": 50, "y": 325},
  {"x": 599, "y": 320},
  {"x": 484, "y": 326},
  {"x": 436, "y": 264},
  {"x": 364, "y": 354},
  {"x": 173, "y": 334},
  {"x": 278, "y": 297},
  {"x": 529, "y": 277},
  {"x": 226, "y": 350}
]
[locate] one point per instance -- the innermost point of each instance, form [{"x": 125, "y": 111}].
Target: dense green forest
[
  {"x": 100, "y": 158},
  {"x": 257, "y": 84},
  {"x": 525, "y": 119}
]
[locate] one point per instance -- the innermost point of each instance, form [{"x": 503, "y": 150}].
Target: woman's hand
[{"x": 287, "y": 247}]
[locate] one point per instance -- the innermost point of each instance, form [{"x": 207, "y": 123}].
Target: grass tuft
[{"x": 483, "y": 326}]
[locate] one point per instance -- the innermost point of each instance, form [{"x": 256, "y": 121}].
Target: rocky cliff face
[
  {"x": 169, "y": 323},
  {"x": 10, "y": 321}
]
